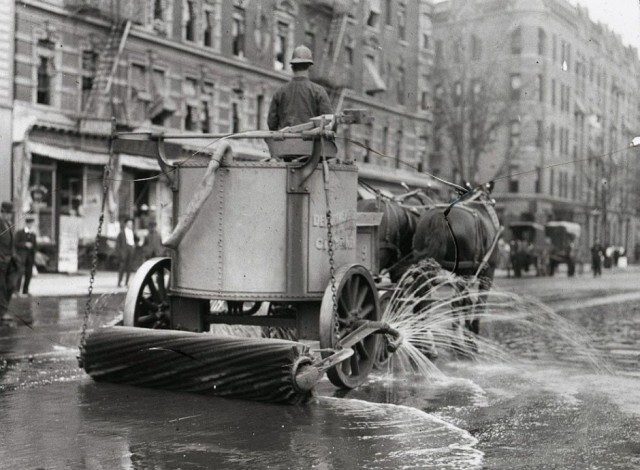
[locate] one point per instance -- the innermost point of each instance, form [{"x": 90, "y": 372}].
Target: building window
[
  {"x": 542, "y": 42},
  {"x": 539, "y": 133},
  {"x": 89, "y": 61},
  {"x": 399, "y": 137},
  {"x": 516, "y": 41},
  {"x": 401, "y": 85},
  {"x": 514, "y": 135},
  {"x": 438, "y": 51},
  {"x": 205, "y": 118},
  {"x": 540, "y": 85},
  {"x": 385, "y": 139},
  {"x": 190, "y": 118},
  {"x": 402, "y": 21},
  {"x": 457, "y": 93},
  {"x": 424, "y": 100},
  {"x": 259, "y": 111},
  {"x": 235, "y": 118},
  {"x": 388, "y": 12},
  {"x": 516, "y": 86},
  {"x": 553, "y": 92},
  {"x": 476, "y": 89},
  {"x": 476, "y": 47},
  {"x": 457, "y": 51},
  {"x": 514, "y": 186},
  {"x": 552, "y": 181},
  {"x": 426, "y": 42},
  {"x": 189, "y": 21},
  {"x": 310, "y": 40},
  {"x": 209, "y": 28},
  {"x": 538, "y": 182},
  {"x": 552, "y": 137},
  {"x": 238, "y": 32},
  {"x": 158, "y": 13},
  {"x": 280, "y": 47},
  {"x": 44, "y": 81},
  {"x": 554, "y": 47}
]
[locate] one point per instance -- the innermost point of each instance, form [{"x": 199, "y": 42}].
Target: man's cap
[
  {"x": 29, "y": 218},
  {"x": 301, "y": 55},
  {"x": 6, "y": 207}
]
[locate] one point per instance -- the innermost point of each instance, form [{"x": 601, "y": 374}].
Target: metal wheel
[
  {"x": 147, "y": 302},
  {"x": 357, "y": 299}
]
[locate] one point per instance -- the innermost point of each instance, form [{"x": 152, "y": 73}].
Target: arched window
[{"x": 516, "y": 41}]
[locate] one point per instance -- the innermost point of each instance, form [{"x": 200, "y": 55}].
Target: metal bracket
[
  {"x": 298, "y": 174},
  {"x": 167, "y": 168}
]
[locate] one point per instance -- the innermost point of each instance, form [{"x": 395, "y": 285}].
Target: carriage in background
[
  {"x": 564, "y": 238},
  {"x": 529, "y": 247}
]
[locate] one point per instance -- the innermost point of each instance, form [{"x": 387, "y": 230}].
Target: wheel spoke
[
  {"x": 161, "y": 286},
  {"x": 366, "y": 310},
  {"x": 355, "y": 364},
  {"x": 153, "y": 289},
  {"x": 342, "y": 304},
  {"x": 362, "y": 351},
  {"x": 362, "y": 295},
  {"x": 145, "y": 319}
]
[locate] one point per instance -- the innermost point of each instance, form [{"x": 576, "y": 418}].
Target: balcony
[{"x": 108, "y": 9}]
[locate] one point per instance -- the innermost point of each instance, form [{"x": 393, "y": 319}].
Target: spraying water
[{"x": 431, "y": 307}]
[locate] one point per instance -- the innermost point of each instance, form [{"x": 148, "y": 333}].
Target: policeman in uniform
[
  {"x": 6, "y": 254},
  {"x": 300, "y": 99}
]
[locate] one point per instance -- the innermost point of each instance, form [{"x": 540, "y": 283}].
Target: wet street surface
[{"x": 542, "y": 407}]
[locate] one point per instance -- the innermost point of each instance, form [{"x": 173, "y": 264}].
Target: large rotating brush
[{"x": 270, "y": 370}]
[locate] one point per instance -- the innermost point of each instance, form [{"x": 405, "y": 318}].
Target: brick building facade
[
  {"x": 569, "y": 90},
  {"x": 202, "y": 66}
]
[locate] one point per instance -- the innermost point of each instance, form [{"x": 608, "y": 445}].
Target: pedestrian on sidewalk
[
  {"x": 26, "y": 246},
  {"x": 7, "y": 259},
  {"x": 152, "y": 246},
  {"x": 597, "y": 253},
  {"x": 126, "y": 247}
]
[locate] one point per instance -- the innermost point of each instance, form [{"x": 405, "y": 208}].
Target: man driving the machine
[{"x": 299, "y": 100}]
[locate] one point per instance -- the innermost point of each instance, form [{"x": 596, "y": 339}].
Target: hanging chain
[
  {"x": 330, "y": 245},
  {"x": 106, "y": 176}
]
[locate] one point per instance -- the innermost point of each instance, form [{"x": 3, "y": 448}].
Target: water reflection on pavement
[{"x": 543, "y": 411}]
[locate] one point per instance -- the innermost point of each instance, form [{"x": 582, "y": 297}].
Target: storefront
[{"x": 66, "y": 182}]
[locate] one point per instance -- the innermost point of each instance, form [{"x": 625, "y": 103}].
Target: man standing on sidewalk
[
  {"x": 26, "y": 251},
  {"x": 126, "y": 248},
  {"x": 6, "y": 254}
]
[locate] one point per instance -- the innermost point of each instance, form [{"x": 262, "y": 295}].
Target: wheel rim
[
  {"x": 357, "y": 299},
  {"x": 147, "y": 301}
]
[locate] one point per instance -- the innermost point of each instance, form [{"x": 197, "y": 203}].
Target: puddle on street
[{"x": 543, "y": 409}]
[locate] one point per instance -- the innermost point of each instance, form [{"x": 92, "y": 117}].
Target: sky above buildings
[{"x": 623, "y": 16}]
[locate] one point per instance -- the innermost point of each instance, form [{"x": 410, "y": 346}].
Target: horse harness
[{"x": 478, "y": 248}]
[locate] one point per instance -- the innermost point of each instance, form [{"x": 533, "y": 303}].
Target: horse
[
  {"x": 395, "y": 232},
  {"x": 462, "y": 238}
]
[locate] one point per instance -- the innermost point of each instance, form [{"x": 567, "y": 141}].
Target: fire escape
[
  {"x": 102, "y": 101},
  {"x": 327, "y": 72}
]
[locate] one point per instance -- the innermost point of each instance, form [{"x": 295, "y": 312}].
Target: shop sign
[{"x": 68, "y": 243}]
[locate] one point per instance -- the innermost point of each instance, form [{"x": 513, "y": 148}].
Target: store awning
[
  {"x": 139, "y": 163},
  {"x": 373, "y": 82},
  {"x": 90, "y": 158},
  {"x": 67, "y": 154}
]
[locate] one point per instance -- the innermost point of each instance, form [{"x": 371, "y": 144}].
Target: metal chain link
[
  {"x": 330, "y": 245},
  {"x": 94, "y": 255},
  {"x": 332, "y": 264}
]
